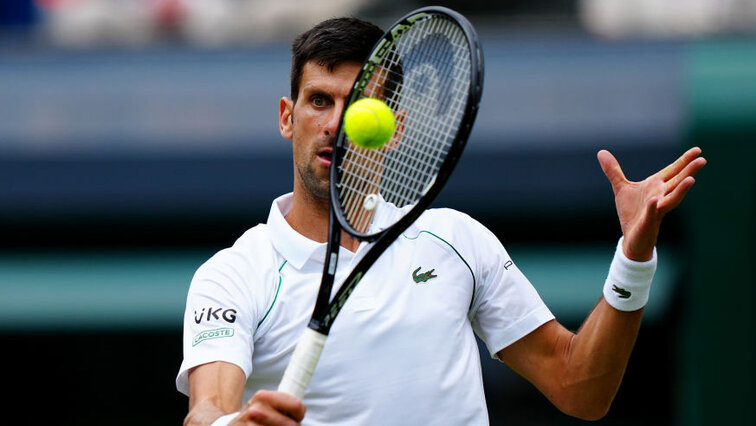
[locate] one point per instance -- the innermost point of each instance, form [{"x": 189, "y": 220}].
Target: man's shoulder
[
  {"x": 446, "y": 218},
  {"x": 254, "y": 241},
  {"x": 252, "y": 251},
  {"x": 452, "y": 226},
  {"x": 254, "y": 237}
]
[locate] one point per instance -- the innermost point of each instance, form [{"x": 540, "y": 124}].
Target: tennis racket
[{"x": 428, "y": 68}]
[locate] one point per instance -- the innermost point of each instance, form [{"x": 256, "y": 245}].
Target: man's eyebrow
[
  {"x": 314, "y": 90},
  {"x": 317, "y": 92}
]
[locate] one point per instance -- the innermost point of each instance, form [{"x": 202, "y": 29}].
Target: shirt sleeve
[
  {"x": 220, "y": 320},
  {"x": 506, "y": 306}
]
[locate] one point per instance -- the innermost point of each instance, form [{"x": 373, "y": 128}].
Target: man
[{"x": 402, "y": 351}]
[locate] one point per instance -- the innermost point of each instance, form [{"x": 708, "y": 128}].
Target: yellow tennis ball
[{"x": 369, "y": 123}]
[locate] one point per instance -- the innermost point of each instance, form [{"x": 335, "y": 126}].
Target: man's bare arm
[
  {"x": 579, "y": 373},
  {"x": 217, "y": 388}
]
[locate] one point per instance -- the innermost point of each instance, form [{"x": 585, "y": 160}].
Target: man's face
[{"x": 312, "y": 123}]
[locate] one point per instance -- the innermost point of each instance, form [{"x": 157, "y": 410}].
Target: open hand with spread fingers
[{"x": 642, "y": 205}]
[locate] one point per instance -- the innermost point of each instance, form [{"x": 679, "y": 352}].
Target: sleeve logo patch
[
  {"x": 228, "y": 314},
  {"x": 212, "y": 334}
]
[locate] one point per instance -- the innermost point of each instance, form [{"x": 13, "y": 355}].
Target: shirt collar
[
  {"x": 298, "y": 249},
  {"x": 293, "y": 246}
]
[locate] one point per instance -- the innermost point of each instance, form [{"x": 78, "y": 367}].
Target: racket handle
[{"x": 298, "y": 373}]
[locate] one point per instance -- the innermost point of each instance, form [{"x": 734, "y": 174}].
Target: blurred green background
[{"x": 139, "y": 137}]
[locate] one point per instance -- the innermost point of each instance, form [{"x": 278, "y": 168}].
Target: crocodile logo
[
  {"x": 423, "y": 277},
  {"x": 623, "y": 294}
]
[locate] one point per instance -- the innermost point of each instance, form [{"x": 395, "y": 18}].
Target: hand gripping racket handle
[{"x": 298, "y": 373}]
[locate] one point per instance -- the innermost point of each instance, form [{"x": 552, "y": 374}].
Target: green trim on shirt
[
  {"x": 280, "y": 279},
  {"x": 455, "y": 251}
]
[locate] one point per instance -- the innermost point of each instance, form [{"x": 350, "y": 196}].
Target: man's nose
[{"x": 332, "y": 125}]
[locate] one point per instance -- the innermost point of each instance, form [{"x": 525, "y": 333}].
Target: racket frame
[{"x": 382, "y": 239}]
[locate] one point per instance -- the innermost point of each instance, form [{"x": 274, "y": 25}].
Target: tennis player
[{"x": 403, "y": 350}]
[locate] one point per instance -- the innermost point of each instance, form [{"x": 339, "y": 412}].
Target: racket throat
[
  {"x": 329, "y": 272},
  {"x": 333, "y": 260}
]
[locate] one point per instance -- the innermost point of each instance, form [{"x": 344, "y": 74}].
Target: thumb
[{"x": 611, "y": 168}]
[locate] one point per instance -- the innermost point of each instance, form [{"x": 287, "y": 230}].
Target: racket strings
[
  {"x": 438, "y": 132},
  {"x": 424, "y": 78},
  {"x": 359, "y": 184},
  {"x": 365, "y": 161},
  {"x": 434, "y": 137}
]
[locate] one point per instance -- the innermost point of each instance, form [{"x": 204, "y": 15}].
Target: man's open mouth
[{"x": 325, "y": 155}]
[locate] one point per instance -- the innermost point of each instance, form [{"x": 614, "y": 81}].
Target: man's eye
[{"x": 318, "y": 101}]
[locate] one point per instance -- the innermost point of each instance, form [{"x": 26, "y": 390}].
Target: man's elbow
[
  {"x": 592, "y": 413},
  {"x": 586, "y": 407}
]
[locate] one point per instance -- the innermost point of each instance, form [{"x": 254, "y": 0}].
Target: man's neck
[{"x": 309, "y": 216}]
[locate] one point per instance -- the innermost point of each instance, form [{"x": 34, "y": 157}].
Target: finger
[
  {"x": 673, "y": 169},
  {"x": 674, "y": 198},
  {"x": 291, "y": 406},
  {"x": 283, "y": 403},
  {"x": 611, "y": 168},
  {"x": 652, "y": 208},
  {"x": 262, "y": 414},
  {"x": 689, "y": 171}
]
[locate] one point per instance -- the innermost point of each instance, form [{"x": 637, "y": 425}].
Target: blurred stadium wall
[{"x": 139, "y": 137}]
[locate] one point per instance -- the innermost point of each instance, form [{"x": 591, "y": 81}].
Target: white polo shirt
[{"x": 402, "y": 350}]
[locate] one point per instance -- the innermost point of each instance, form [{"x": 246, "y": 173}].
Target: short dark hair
[{"x": 330, "y": 43}]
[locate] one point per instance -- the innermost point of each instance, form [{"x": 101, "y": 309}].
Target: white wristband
[
  {"x": 629, "y": 282},
  {"x": 224, "y": 420}
]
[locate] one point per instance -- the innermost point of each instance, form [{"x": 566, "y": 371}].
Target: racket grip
[{"x": 298, "y": 373}]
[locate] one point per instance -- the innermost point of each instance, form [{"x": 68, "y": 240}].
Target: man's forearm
[{"x": 598, "y": 355}]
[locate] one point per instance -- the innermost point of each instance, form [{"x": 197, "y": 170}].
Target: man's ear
[{"x": 285, "y": 111}]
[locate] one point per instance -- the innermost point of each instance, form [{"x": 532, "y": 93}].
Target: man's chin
[
  {"x": 320, "y": 191},
  {"x": 317, "y": 187}
]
